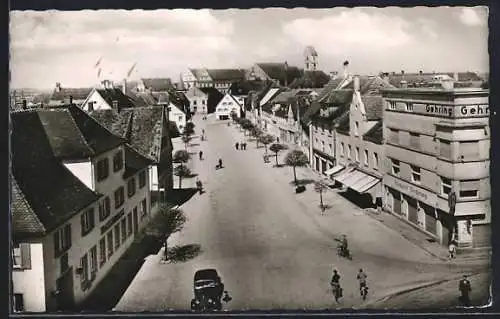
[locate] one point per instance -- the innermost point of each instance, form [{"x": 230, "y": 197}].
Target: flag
[
  {"x": 98, "y": 62},
  {"x": 131, "y": 69},
  {"x": 99, "y": 72}
]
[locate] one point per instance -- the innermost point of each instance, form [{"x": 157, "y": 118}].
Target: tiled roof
[
  {"x": 146, "y": 125},
  {"x": 110, "y": 95},
  {"x": 226, "y": 74},
  {"x": 375, "y": 134},
  {"x": 311, "y": 79},
  {"x": 214, "y": 97},
  {"x": 331, "y": 85},
  {"x": 65, "y": 93},
  {"x": 134, "y": 162},
  {"x": 244, "y": 87},
  {"x": 340, "y": 98},
  {"x": 142, "y": 99},
  {"x": 413, "y": 79},
  {"x": 374, "y": 106},
  {"x": 276, "y": 71},
  {"x": 283, "y": 97},
  {"x": 343, "y": 123},
  {"x": 162, "y": 97},
  {"x": 158, "y": 84},
  {"x": 45, "y": 192}
]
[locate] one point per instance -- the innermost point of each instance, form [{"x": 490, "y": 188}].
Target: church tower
[{"x": 311, "y": 59}]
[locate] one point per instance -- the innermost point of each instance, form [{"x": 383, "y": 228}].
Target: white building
[
  {"x": 77, "y": 203},
  {"x": 198, "y": 100},
  {"x": 228, "y": 105}
]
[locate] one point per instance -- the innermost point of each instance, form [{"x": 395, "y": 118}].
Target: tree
[
  {"x": 296, "y": 158},
  {"x": 181, "y": 156},
  {"x": 186, "y": 139},
  {"x": 276, "y": 148},
  {"x": 234, "y": 116},
  {"x": 167, "y": 221},
  {"x": 320, "y": 188},
  {"x": 256, "y": 133},
  {"x": 266, "y": 140},
  {"x": 182, "y": 171},
  {"x": 189, "y": 129}
]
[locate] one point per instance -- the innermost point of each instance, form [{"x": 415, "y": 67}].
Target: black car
[{"x": 208, "y": 290}]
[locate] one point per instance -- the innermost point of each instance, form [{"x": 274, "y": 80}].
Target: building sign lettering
[
  {"x": 439, "y": 110},
  {"x": 112, "y": 221},
  {"x": 411, "y": 190},
  {"x": 467, "y": 110},
  {"x": 456, "y": 111}
]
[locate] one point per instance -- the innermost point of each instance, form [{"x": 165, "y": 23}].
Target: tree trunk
[
  {"x": 321, "y": 199},
  {"x": 165, "y": 252},
  {"x": 276, "y": 159},
  {"x": 265, "y": 146},
  {"x": 180, "y": 181},
  {"x": 295, "y": 176}
]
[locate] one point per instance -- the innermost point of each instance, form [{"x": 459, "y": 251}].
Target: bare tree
[
  {"x": 186, "y": 139},
  {"x": 166, "y": 222},
  {"x": 256, "y": 133},
  {"x": 276, "y": 148},
  {"x": 266, "y": 140},
  {"x": 181, "y": 156},
  {"x": 182, "y": 171},
  {"x": 296, "y": 158},
  {"x": 320, "y": 188}
]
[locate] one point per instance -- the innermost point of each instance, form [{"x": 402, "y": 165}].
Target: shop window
[
  {"x": 102, "y": 251},
  {"x": 366, "y": 157},
  {"x": 445, "y": 148},
  {"x": 395, "y": 166},
  {"x": 104, "y": 208},
  {"x": 445, "y": 185},
  {"x": 415, "y": 174},
  {"x": 469, "y": 189}
]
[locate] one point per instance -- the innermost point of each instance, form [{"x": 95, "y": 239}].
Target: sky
[{"x": 70, "y": 47}]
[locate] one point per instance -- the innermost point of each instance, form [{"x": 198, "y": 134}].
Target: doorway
[{"x": 64, "y": 286}]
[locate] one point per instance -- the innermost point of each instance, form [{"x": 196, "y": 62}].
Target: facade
[
  {"x": 198, "y": 100},
  {"x": 66, "y": 237},
  {"x": 437, "y": 153},
  {"x": 220, "y": 79},
  {"x": 228, "y": 105},
  {"x": 177, "y": 115},
  {"x": 63, "y": 96}
]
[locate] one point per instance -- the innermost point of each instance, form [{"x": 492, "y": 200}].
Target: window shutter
[
  {"x": 25, "y": 256},
  {"x": 82, "y": 223},
  {"x": 67, "y": 233}
]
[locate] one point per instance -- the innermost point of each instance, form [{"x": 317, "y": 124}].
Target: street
[{"x": 272, "y": 247}]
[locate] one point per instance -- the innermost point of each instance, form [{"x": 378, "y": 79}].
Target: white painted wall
[
  {"x": 153, "y": 178},
  {"x": 99, "y": 102},
  {"x": 226, "y": 106},
  {"x": 176, "y": 115},
  {"x": 30, "y": 282},
  {"x": 84, "y": 171}
]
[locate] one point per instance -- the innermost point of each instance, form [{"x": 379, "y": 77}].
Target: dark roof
[
  {"x": 331, "y": 85},
  {"x": 226, "y": 74},
  {"x": 110, "y": 95},
  {"x": 374, "y": 106},
  {"x": 214, "y": 97},
  {"x": 142, "y": 99},
  {"x": 158, "y": 84},
  {"x": 343, "y": 123},
  {"x": 146, "y": 126},
  {"x": 45, "y": 192},
  {"x": 134, "y": 162},
  {"x": 276, "y": 71},
  {"x": 65, "y": 93},
  {"x": 335, "y": 98},
  {"x": 375, "y": 134},
  {"x": 311, "y": 79},
  {"x": 163, "y": 97},
  {"x": 244, "y": 87}
]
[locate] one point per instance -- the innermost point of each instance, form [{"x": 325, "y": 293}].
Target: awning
[
  {"x": 334, "y": 170},
  {"x": 345, "y": 175},
  {"x": 358, "y": 180}
]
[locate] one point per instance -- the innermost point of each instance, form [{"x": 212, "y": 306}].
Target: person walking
[
  {"x": 362, "y": 280},
  {"x": 452, "y": 248},
  {"x": 245, "y": 146},
  {"x": 199, "y": 186},
  {"x": 335, "y": 283},
  {"x": 465, "y": 288},
  {"x": 201, "y": 155},
  {"x": 237, "y": 145}
]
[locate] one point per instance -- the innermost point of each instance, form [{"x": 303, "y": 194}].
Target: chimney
[
  {"x": 356, "y": 83},
  {"x": 91, "y": 106},
  {"x": 402, "y": 72},
  {"x": 421, "y": 72},
  {"x": 71, "y": 100},
  {"x": 115, "y": 105},
  {"x": 403, "y": 84},
  {"x": 25, "y": 105},
  {"x": 124, "y": 86},
  {"x": 58, "y": 87},
  {"x": 346, "y": 69}
]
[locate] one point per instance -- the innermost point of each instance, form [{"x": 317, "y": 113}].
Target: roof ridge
[{"x": 78, "y": 129}]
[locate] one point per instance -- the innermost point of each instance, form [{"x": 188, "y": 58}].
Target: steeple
[{"x": 310, "y": 59}]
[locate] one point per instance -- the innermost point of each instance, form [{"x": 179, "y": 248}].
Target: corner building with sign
[{"x": 437, "y": 143}]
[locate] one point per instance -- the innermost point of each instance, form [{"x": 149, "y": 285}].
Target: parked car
[{"x": 208, "y": 289}]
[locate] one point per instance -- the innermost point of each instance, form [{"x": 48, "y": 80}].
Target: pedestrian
[
  {"x": 236, "y": 145},
  {"x": 362, "y": 280},
  {"x": 452, "y": 248},
  {"x": 242, "y": 145},
  {"x": 335, "y": 283},
  {"x": 245, "y": 146},
  {"x": 201, "y": 155},
  {"x": 465, "y": 288},
  {"x": 199, "y": 185},
  {"x": 277, "y": 139}
]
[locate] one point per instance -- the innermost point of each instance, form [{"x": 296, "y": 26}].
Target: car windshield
[{"x": 202, "y": 283}]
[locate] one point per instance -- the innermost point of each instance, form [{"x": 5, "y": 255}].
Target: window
[
  {"x": 414, "y": 140},
  {"x": 21, "y": 256},
  {"x": 356, "y": 128},
  {"x": 342, "y": 149},
  {"x": 64, "y": 263},
  {"x": 142, "y": 179},
  {"x": 316, "y": 139},
  {"x": 84, "y": 264},
  {"x": 16, "y": 256},
  {"x": 144, "y": 207},
  {"x": 104, "y": 209},
  {"x": 445, "y": 185},
  {"x": 119, "y": 197},
  {"x": 131, "y": 187},
  {"x": 330, "y": 147},
  {"x": 118, "y": 161},
  {"x": 62, "y": 240},
  {"x": 194, "y": 102},
  {"x": 93, "y": 262},
  {"x": 349, "y": 151},
  {"x": 393, "y": 136},
  {"x": 102, "y": 251},
  {"x": 469, "y": 188},
  {"x": 87, "y": 221},
  {"x": 409, "y": 107},
  {"x": 375, "y": 160},
  {"x": 102, "y": 169},
  {"x": 110, "y": 243},
  {"x": 395, "y": 166},
  {"x": 18, "y": 303},
  {"x": 323, "y": 146},
  {"x": 117, "y": 236},
  {"x": 356, "y": 154},
  {"x": 180, "y": 118},
  {"x": 392, "y": 105},
  {"x": 203, "y": 102},
  {"x": 366, "y": 157},
  {"x": 469, "y": 150},
  {"x": 445, "y": 148},
  {"x": 123, "y": 224},
  {"x": 415, "y": 174},
  {"x": 129, "y": 224}
]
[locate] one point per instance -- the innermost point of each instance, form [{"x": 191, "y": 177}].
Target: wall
[
  {"x": 84, "y": 171},
  {"x": 177, "y": 116},
  {"x": 99, "y": 102},
  {"x": 226, "y": 106},
  {"x": 31, "y": 282}
]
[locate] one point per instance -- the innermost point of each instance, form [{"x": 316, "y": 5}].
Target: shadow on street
[
  {"x": 362, "y": 201},
  {"x": 180, "y": 196},
  {"x": 191, "y": 175},
  {"x": 180, "y": 254},
  {"x": 302, "y": 182}
]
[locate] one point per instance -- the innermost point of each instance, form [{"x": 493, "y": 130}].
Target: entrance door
[
  {"x": 64, "y": 286},
  {"x": 397, "y": 202},
  {"x": 412, "y": 210},
  {"x": 430, "y": 220},
  {"x": 136, "y": 221}
]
